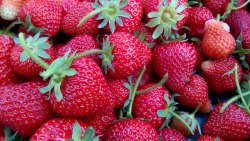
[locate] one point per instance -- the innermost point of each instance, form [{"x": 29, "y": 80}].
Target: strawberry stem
[
  {"x": 196, "y": 110},
  {"x": 163, "y": 80},
  {"x": 32, "y": 55},
  {"x": 239, "y": 7},
  {"x": 131, "y": 100},
  {"x": 93, "y": 51}
]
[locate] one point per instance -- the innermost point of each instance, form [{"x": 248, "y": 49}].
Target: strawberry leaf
[{"x": 77, "y": 132}]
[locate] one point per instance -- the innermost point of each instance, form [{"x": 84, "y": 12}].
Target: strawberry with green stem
[{"x": 116, "y": 15}]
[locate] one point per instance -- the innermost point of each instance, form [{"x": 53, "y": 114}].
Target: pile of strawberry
[{"x": 134, "y": 70}]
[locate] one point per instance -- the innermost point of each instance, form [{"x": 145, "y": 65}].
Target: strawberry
[
  {"x": 178, "y": 59},
  {"x": 208, "y": 138},
  {"x": 85, "y": 93},
  {"x": 24, "y": 109},
  {"x": 67, "y": 5},
  {"x": 217, "y": 42},
  {"x": 196, "y": 20},
  {"x": 129, "y": 55},
  {"x": 195, "y": 91},
  {"x": 238, "y": 21},
  {"x": 214, "y": 72},
  {"x": 57, "y": 129},
  {"x": 21, "y": 61},
  {"x": 170, "y": 134},
  {"x": 73, "y": 16},
  {"x": 233, "y": 124},
  {"x": 119, "y": 91},
  {"x": 9, "y": 9},
  {"x": 100, "y": 122},
  {"x": 46, "y": 14},
  {"x": 7, "y": 74},
  {"x": 147, "y": 104},
  {"x": 132, "y": 130},
  {"x": 166, "y": 16},
  {"x": 79, "y": 44}
]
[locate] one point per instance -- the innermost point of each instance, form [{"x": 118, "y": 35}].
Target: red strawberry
[
  {"x": 57, "y": 129},
  {"x": 217, "y": 42},
  {"x": 178, "y": 59},
  {"x": 67, "y": 5},
  {"x": 208, "y": 138},
  {"x": 100, "y": 122},
  {"x": 233, "y": 124},
  {"x": 170, "y": 134},
  {"x": 195, "y": 91},
  {"x": 85, "y": 93},
  {"x": 238, "y": 21},
  {"x": 171, "y": 16},
  {"x": 45, "y": 14},
  {"x": 120, "y": 92},
  {"x": 132, "y": 130},
  {"x": 196, "y": 20},
  {"x": 71, "y": 19},
  {"x": 214, "y": 72},
  {"x": 129, "y": 55},
  {"x": 147, "y": 104},
  {"x": 24, "y": 109},
  {"x": 7, "y": 73},
  {"x": 79, "y": 44},
  {"x": 9, "y": 9}
]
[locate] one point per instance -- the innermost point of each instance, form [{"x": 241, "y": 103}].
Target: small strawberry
[
  {"x": 170, "y": 134},
  {"x": 215, "y": 74},
  {"x": 177, "y": 59},
  {"x": 208, "y": 138},
  {"x": 233, "y": 124},
  {"x": 45, "y": 14},
  {"x": 147, "y": 104},
  {"x": 196, "y": 20},
  {"x": 217, "y": 42},
  {"x": 195, "y": 91},
  {"x": 24, "y": 109},
  {"x": 132, "y": 130},
  {"x": 9, "y": 9}
]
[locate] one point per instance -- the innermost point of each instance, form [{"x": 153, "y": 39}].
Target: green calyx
[
  {"x": 141, "y": 36},
  {"x": 166, "y": 17},
  {"x": 110, "y": 12}
]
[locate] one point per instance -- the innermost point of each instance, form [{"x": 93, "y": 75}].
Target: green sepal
[
  {"x": 77, "y": 132},
  {"x": 162, "y": 113},
  {"x": 217, "y": 139},
  {"x": 130, "y": 87},
  {"x": 24, "y": 56},
  {"x": 88, "y": 134},
  {"x": 107, "y": 57},
  {"x": 30, "y": 27},
  {"x": 7, "y": 134}
]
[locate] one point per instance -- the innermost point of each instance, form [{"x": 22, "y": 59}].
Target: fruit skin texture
[
  {"x": 1, "y": 131},
  {"x": 246, "y": 42},
  {"x": 170, "y": 134},
  {"x": 85, "y": 93},
  {"x": 217, "y": 42},
  {"x": 238, "y": 20},
  {"x": 7, "y": 74},
  {"x": 9, "y": 9},
  {"x": 132, "y": 130},
  {"x": 196, "y": 20},
  {"x": 178, "y": 59},
  {"x": 195, "y": 91},
  {"x": 208, "y": 138},
  {"x": 74, "y": 15},
  {"x": 44, "y": 14},
  {"x": 147, "y": 104},
  {"x": 233, "y": 124},
  {"x": 29, "y": 67},
  {"x": 130, "y": 54},
  {"x": 214, "y": 73},
  {"x": 24, "y": 109},
  {"x": 57, "y": 129}
]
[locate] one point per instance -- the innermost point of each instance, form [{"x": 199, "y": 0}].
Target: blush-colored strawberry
[
  {"x": 24, "y": 109},
  {"x": 214, "y": 72},
  {"x": 9, "y": 9},
  {"x": 208, "y": 138},
  {"x": 170, "y": 134},
  {"x": 217, "y": 42},
  {"x": 132, "y": 130},
  {"x": 231, "y": 125}
]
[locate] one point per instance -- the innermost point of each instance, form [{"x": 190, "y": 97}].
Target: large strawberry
[
  {"x": 7, "y": 74},
  {"x": 217, "y": 42},
  {"x": 208, "y": 138},
  {"x": 46, "y": 14},
  {"x": 215, "y": 74},
  {"x": 9, "y": 9},
  {"x": 58, "y": 129},
  {"x": 178, "y": 59},
  {"x": 24, "y": 109},
  {"x": 166, "y": 16},
  {"x": 132, "y": 130},
  {"x": 170, "y": 134},
  {"x": 233, "y": 124},
  {"x": 147, "y": 104}
]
